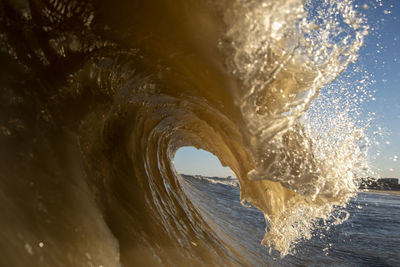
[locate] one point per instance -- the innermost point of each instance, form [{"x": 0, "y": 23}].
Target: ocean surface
[
  {"x": 97, "y": 96},
  {"x": 370, "y": 236}
]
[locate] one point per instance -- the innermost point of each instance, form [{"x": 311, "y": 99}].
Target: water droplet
[{"x": 28, "y": 249}]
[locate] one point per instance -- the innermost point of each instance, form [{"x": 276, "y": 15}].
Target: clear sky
[
  {"x": 380, "y": 57},
  {"x": 189, "y": 160}
]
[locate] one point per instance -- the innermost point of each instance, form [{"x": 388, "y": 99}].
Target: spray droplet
[{"x": 28, "y": 249}]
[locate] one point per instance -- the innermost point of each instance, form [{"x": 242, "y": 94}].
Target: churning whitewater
[{"x": 97, "y": 96}]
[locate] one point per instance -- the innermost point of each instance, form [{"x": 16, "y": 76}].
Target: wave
[
  {"x": 215, "y": 180},
  {"x": 97, "y": 97}
]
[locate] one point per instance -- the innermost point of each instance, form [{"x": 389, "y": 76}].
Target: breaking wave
[{"x": 97, "y": 96}]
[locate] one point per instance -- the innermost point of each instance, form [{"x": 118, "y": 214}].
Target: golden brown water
[{"x": 97, "y": 96}]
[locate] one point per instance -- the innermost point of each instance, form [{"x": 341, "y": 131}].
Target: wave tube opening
[{"x": 192, "y": 161}]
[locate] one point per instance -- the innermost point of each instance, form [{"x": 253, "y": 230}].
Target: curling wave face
[{"x": 97, "y": 97}]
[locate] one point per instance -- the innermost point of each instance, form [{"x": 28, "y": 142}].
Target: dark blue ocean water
[{"x": 370, "y": 237}]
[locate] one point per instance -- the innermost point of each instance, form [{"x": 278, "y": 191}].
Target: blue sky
[
  {"x": 189, "y": 160},
  {"x": 380, "y": 57}
]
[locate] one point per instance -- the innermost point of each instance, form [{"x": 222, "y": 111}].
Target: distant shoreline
[{"x": 388, "y": 192}]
